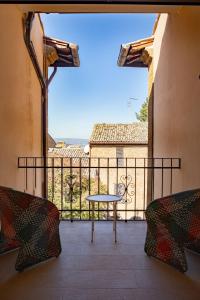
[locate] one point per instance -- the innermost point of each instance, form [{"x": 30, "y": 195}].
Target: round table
[{"x": 104, "y": 198}]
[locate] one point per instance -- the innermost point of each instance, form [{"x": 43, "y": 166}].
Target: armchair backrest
[
  {"x": 181, "y": 211},
  {"x": 17, "y": 208}
]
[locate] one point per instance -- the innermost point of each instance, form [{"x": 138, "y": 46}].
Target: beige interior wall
[
  {"x": 20, "y": 100},
  {"x": 177, "y": 94}
]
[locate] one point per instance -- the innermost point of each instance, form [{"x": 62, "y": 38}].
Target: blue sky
[{"x": 98, "y": 91}]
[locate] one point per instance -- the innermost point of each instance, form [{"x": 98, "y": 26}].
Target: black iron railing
[{"x": 71, "y": 179}]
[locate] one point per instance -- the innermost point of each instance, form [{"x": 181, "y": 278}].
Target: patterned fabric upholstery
[
  {"x": 173, "y": 222},
  {"x": 31, "y": 224}
]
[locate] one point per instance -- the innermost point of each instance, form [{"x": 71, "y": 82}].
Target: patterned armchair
[
  {"x": 173, "y": 222},
  {"x": 31, "y": 224}
]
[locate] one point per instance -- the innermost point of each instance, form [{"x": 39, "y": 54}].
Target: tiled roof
[
  {"x": 51, "y": 142},
  {"x": 67, "y": 152},
  {"x": 133, "y": 133},
  {"x": 136, "y": 54},
  {"x": 72, "y": 157},
  {"x": 61, "y": 53}
]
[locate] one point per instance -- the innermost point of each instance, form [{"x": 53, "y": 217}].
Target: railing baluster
[
  {"x": 108, "y": 187},
  {"x": 162, "y": 179},
  {"x": 61, "y": 188},
  {"x": 126, "y": 189},
  {"x": 117, "y": 175},
  {"x": 144, "y": 200},
  {"x": 117, "y": 181},
  {"x": 80, "y": 186},
  {"x": 52, "y": 179},
  {"x": 35, "y": 164},
  {"x": 135, "y": 198},
  {"x": 98, "y": 178},
  {"x": 153, "y": 176},
  {"x": 71, "y": 190},
  {"x": 33, "y": 175},
  {"x": 171, "y": 177},
  {"x": 26, "y": 175},
  {"x": 89, "y": 186}
]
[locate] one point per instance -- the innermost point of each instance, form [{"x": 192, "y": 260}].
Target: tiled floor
[{"x": 102, "y": 270}]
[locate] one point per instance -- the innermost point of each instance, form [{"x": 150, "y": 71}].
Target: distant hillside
[{"x": 71, "y": 141}]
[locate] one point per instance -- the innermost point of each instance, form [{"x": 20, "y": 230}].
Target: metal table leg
[
  {"x": 115, "y": 220},
  {"x": 113, "y": 216},
  {"x": 92, "y": 238}
]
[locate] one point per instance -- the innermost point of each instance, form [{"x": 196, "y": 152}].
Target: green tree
[
  {"x": 142, "y": 116},
  {"x": 68, "y": 191}
]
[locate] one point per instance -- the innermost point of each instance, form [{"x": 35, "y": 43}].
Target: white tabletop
[{"x": 104, "y": 198}]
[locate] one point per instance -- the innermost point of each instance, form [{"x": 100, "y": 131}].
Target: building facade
[{"x": 118, "y": 151}]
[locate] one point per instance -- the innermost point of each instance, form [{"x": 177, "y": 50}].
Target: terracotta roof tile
[
  {"x": 136, "y": 54},
  {"x": 61, "y": 53},
  {"x": 67, "y": 152},
  {"x": 133, "y": 133}
]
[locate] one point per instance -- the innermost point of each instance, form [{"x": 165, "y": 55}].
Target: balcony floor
[{"x": 102, "y": 270}]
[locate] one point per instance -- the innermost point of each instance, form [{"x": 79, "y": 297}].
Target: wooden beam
[{"x": 99, "y": 8}]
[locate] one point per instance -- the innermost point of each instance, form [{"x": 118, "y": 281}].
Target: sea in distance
[{"x": 72, "y": 141}]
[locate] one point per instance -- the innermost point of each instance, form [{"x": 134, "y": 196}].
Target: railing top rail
[
  {"x": 99, "y": 162},
  {"x": 93, "y": 157}
]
